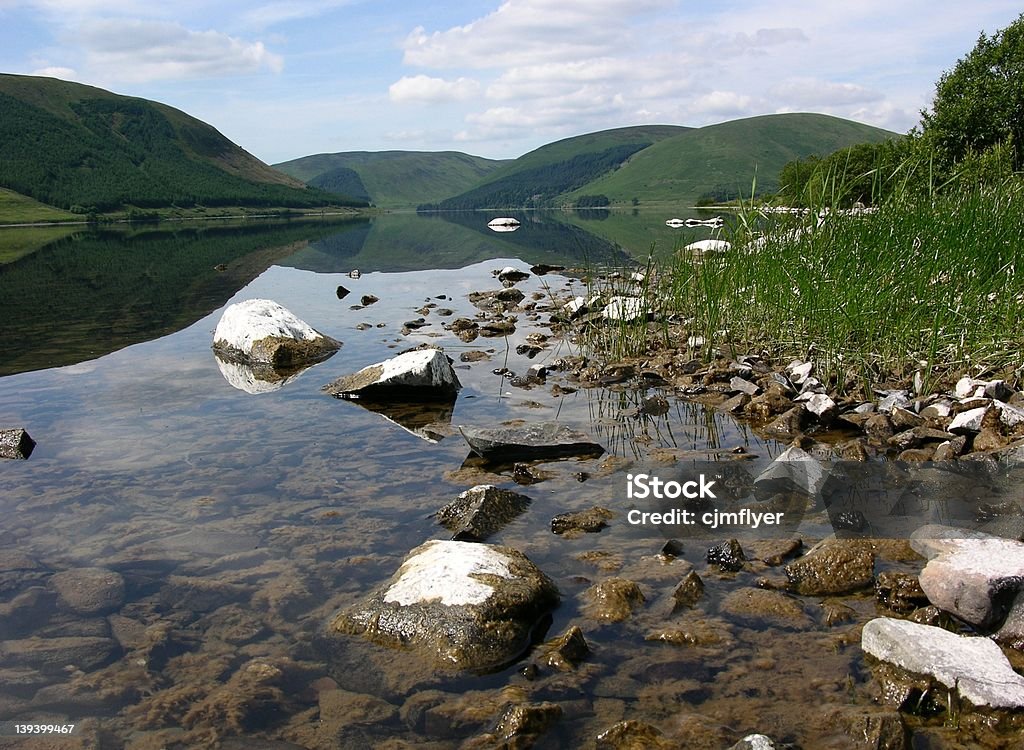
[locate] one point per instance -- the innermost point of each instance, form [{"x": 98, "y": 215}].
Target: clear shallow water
[{"x": 240, "y": 523}]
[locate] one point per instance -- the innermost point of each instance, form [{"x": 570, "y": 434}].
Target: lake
[{"x": 239, "y": 522}]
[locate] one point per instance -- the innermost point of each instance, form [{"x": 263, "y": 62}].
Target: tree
[{"x": 980, "y": 102}]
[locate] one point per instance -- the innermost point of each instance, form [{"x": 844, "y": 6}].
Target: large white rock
[
  {"x": 708, "y": 246},
  {"x": 426, "y": 369},
  {"x": 624, "y": 309},
  {"x": 261, "y": 330},
  {"x": 975, "y": 668},
  {"x": 970, "y": 574},
  {"x": 463, "y": 604},
  {"x": 968, "y": 421}
]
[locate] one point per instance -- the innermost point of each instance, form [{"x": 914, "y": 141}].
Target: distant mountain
[
  {"x": 540, "y": 176},
  {"x": 391, "y": 179},
  {"x": 721, "y": 161},
  {"x": 82, "y": 148}
]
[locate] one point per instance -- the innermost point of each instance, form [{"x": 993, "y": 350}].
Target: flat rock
[
  {"x": 974, "y": 667},
  {"x": 16, "y": 444},
  {"x": 537, "y": 440},
  {"x": 587, "y": 521},
  {"x": 481, "y": 511},
  {"x": 463, "y": 605},
  {"x": 56, "y": 655},
  {"x": 762, "y": 606},
  {"x": 425, "y": 371},
  {"x": 970, "y": 574},
  {"x": 89, "y": 591},
  {"x": 261, "y": 330}
]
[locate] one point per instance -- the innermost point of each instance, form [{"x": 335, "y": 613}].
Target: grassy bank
[{"x": 928, "y": 285}]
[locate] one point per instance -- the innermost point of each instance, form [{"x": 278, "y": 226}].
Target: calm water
[{"x": 241, "y": 522}]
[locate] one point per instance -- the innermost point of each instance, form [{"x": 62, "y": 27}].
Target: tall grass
[{"x": 932, "y": 282}]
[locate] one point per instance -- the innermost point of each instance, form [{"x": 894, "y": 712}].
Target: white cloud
[
  {"x": 56, "y": 71},
  {"x": 423, "y": 88},
  {"x": 809, "y": 92},
  {"x": 138, "y": 51}
]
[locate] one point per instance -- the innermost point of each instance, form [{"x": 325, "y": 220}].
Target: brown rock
[
  {"x": 613, "y": 600},
  {"x": 688, "y": 592},
  {"x": 878, "y": 428},
  {"x": 633, "y": 735},
  {"x": 787, "y": 425},
  {"x": 835, "y": 566}
]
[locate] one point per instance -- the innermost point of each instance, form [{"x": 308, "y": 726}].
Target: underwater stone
[
  {"x": 463, "y": 605},
  {"x": 481, "y": 511}
]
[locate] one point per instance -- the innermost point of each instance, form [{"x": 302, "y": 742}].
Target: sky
[{"x": 496, "y": 79}]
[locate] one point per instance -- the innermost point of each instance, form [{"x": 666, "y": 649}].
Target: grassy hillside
[
  {"x": 18, "y": 208},
  {"x": 536, "y": 178},
  {"x": 722, "y": 160},
  {"x": 83, "y": 148},
  {"x": 393, "y": 179}
]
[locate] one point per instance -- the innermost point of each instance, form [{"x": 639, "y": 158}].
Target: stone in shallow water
[
  {"x": 537, "y": 440},
  {"x": 89, "y": 591},
  {"x": 16, "y": 444},
  {"x": 835, "y": 566},
  {"x": 481, "y": 511},
  {"x": 423, "y": 370},
  {"x": 970, "y": 574},
  {"x": 261, "y": 330},
  {"x": 463, "y": 605},
  {"x": 974, "y": 667}
]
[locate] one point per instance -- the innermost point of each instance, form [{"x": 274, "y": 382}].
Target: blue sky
[{"x": 496, "y": 79}]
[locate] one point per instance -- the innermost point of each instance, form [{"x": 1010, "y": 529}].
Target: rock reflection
[
  {"x": 257, "y": 378},
  {"x": 427, "y": 420}
]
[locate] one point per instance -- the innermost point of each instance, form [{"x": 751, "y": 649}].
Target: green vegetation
[
  {"x": 117, "y": 287},
  {"x": 89, "y": 151},
  {"x": 538, "y": 187},
  {"x": 394, "y": 179},
  {"x": 721, "y": 161},
  {"x": 17, "y": 208},
  {"x": 925, "y": 285},
  {"x": 980, "y": 102},
  {"x": 592, "y": 201}
]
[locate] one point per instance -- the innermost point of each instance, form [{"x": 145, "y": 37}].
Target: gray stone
[
  {"x": 425, "y": 371},
  {"x": 970, "y": 574},
  {"x": 89, "y": 591},
  {"x": 260, "y": 330},
  {"x": 794, "y": 470},
  {"x": 742, "y": 385},
  {"x": 968, "y": 421},
  {"x": 463, "y": 605},
  {"x": 820, "y": 405},
  {"x": 481, "y": 511},
  {"x": 975, "y": 668},
  {"x": 522, "y": 442},
  {"x": 16, "y": 444}
]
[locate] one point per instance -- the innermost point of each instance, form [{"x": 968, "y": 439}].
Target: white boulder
[
  {"x": 262, "y": 331},
  {"x": 424, "y": 371}
]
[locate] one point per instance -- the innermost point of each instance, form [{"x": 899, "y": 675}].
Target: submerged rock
[
  {"x": 262, "y": 331},
  {"x": 463, "y": 605},
  {"x": 835, "y": 566},
  {"x": 16, "y": 444},
  {"x": 587, "y": 521},
  {"x": 424, "y": 372},
  {"x": 974, "y": 668},
  {"x": 538, "y": 440},
  {"x": 613, "y": 600},
  {"x": 89, "y": 591},
  {"x": 481, "y": 511}
]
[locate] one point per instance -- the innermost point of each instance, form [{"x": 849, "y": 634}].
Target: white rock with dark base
[
  {"x": 423, "y": 371},
  {"x": 975, "y": 668},
  {"x": 262, "y": 331},
  {"x": 973, "y": 575},
  {"x": 463, "y": 605}
]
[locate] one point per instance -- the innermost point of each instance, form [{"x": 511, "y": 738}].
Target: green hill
[
  {"x": 537, "y": 178},
  {"x": 393, "y": 179},
  {"x": 82, "y": 148},
  {"x": 721, "y": 161}
]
